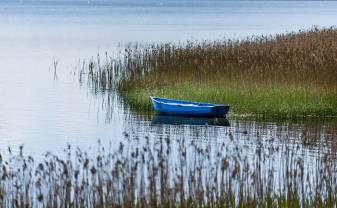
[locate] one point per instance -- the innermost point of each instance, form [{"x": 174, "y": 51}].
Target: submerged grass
[
  {"x": 166, "y": 172},
  {"x": 293, "y": 74}
]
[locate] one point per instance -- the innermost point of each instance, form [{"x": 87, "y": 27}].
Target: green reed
[
  {"x": 293, "y": 74},
  {"x": 166, "y": 172}
]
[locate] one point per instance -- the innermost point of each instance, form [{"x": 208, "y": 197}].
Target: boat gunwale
[{"x": 210, "y": 105}]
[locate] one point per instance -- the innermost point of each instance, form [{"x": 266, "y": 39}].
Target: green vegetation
[
  {"x": 272, "y": 100},
  {"x": 292, "y": 74}
]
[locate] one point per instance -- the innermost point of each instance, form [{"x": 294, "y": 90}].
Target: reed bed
[
  {"x": 164, "y": 172},
  {"x": 292, "y": 74}
]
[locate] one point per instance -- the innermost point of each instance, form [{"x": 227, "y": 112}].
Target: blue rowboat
[{"x": 188, "y": 108}]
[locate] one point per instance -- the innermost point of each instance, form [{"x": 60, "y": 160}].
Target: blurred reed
[{"x": 164, "y": 172}]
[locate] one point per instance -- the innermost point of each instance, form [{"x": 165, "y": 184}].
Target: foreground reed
[
  {"x": 166, "y": 172},
  {"x": 293, "y": 74}
]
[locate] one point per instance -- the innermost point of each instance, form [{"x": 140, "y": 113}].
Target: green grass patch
[{"x": 279, "y": 100}]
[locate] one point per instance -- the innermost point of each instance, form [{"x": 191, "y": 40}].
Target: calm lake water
[{"x": 44, "y": 113}]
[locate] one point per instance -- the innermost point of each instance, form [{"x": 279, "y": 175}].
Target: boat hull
[{"x": 187, "y": 108}]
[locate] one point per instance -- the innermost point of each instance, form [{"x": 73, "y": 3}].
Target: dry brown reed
[{"x": 303, "y": 58}]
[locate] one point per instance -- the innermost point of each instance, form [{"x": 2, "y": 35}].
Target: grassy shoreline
[
  {"x": 286, "y": 75},
  {"x": 278, "y": 101}
]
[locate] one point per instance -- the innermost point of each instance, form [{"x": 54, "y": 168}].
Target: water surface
[{"x": 45, "y": 112}]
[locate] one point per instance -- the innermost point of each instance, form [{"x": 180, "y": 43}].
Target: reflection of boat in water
[
  {"x": 183, "y": 120},
  {"x": 183, "y": 107}
]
